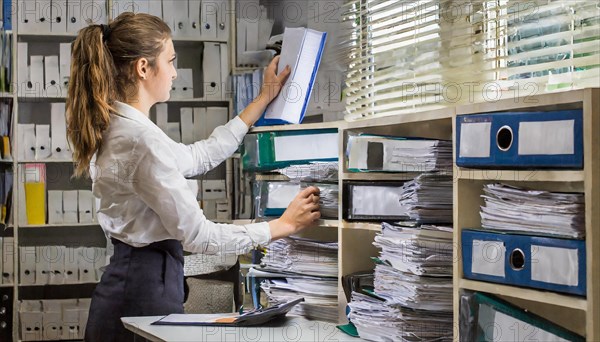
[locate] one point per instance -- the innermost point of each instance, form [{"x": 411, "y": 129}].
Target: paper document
[{"x": 301, "y": 50}]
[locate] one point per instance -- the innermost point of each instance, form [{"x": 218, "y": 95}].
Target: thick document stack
[
  {"x": 412, "y": 298},
  {"x": 428, "y": 198},
  {"x": 302, "y": 268},
  {"x": 377, "y": 321},
  {"x": 312, "y": 172},
  {"x": 511, "y": 209}
]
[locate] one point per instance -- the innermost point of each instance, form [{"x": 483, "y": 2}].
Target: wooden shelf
[
  {"x": 48, "y": 34},
  {"x": 198, "y": 99},
  {"x": 6, "y": 161},
  {"x": 7, "y": 285},
  {"x": 372, "y": 226},
  {"x": 526, "y": 294},
  {"x": 198, "y": 40},
  {"x": 316, "y": 125},
  {"x": 320, "y": 223},
  {"x": 63, "y": 284},
  {"x": 439, "y": 114},
  {"x": 379, "y": 176},
  {"x": 520, "y": 175}
]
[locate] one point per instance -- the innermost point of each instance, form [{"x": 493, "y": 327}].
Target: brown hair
[{"x": 103, "y": 61}]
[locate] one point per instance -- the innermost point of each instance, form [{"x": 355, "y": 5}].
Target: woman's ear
[{"x": 142, "y": 68}]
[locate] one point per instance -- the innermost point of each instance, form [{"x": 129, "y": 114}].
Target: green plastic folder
[
  {"x": 498, "y": 320},
  {"x": 259, "y": 150}
]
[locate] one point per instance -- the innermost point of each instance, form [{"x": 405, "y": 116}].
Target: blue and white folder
[
  {"x": 302, "y": 50},
  {"x": 531, "y": 261},
  {"x": 520, "y": 140}
]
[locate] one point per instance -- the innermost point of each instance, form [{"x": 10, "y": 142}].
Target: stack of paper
[
  {"x": 312, "y": 172},
  {"x": 412, "y": 298},
  {"x": 302, "y": 256},
  {"x": 536, "y": 212},
  {"x": 429, "y": 198},
  {"x": 377, "y": 321},
  {"x": 308, "y": 269},
  {"x": 423, "y": 251}
]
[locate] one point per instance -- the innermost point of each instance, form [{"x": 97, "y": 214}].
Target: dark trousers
[{"x": 146, "y": 281}]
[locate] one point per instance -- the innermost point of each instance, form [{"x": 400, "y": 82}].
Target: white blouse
[{"x": 140, "y": 173}]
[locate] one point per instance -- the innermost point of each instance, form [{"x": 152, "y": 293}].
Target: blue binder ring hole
[
  {"x": 504, "y": 138},
  {"x": 517, "y": 259}
]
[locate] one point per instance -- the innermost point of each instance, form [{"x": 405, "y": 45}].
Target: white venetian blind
[
  {"x": 552, "y": 44},
  {"x": 409, "y": 56}
]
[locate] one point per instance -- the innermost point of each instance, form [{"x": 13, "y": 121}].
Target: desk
[{"x": 292, "y": 329}]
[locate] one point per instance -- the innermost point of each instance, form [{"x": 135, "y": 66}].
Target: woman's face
[{"x": 160, "y": 79}]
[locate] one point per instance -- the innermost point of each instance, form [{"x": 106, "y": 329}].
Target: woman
[{"x": 118, "y": 72}]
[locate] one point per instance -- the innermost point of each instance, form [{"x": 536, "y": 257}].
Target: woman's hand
[
  {"x": 272, "y": 83},
  {"x": 271, "y": 87},
  {"x": 302, "y": 212}
]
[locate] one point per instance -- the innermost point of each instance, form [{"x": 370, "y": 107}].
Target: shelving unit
[{"x": 581, "y": 315}]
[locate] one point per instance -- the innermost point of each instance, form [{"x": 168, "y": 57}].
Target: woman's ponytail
[{"x": 91, "y": 94}]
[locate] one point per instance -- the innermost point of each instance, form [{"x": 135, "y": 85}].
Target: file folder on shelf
[
  {"x": 378, "y": 201},
  {"x": 520, "y": 140},
  {"x": 301, "y": 50},
  {"x": 522, "y": 260},
  {"x": 274, "y": 150},
  {"x": 489, "y": 318}
]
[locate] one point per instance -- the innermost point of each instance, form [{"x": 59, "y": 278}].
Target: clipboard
[{"x": 250, "y": 318}]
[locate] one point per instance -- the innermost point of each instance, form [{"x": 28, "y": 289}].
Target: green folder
[
  {"x": 258, "y": 150},
  {"x": 498, "y": 320}
]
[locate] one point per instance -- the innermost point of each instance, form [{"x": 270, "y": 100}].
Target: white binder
[
  {"x": 34, "y": 16},
  {"x": 26, "y": 142},
  {"x": 22, "y": 67},
  {"x": 52, "y": 84},
  {"x": 180, "y": 18},
  {"x": 42, "y": 142},
  {"x": 187, "y": 125},
  {"x": 208, "y": 15},
  {"x": 226, "y": 88},
  {"x": 70, "y": 203},
  {"x": 36, "y": 76},
  {"x": 162, "y": 116},
  {"x": 59, "y": 16},
  {"x": 211, "y": 67},
  {"x": 223, "y": 19},
  {"x": 74, "y": 18},
  {"x": 86, "y": 206},
  {"x": 64, "y": 67},
  {"x": 55, "y": 206},
  {"x": 27, "y": 262},
  {"x": 199, "y": 120},
  {"x": 42, "y": 267},
  {"x": 60, "y": 148},
  {"x": 56, "y": 264},
  {"x": 194, "y": 24},
  {"x": 168, "y": 13}
]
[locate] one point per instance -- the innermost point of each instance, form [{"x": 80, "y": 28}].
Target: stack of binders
[
  {"x": 528, "y": 237},
  {"x": 296, "y": 267}
]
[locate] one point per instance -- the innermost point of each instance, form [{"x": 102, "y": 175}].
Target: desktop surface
[{"x": 291, "y": 328}]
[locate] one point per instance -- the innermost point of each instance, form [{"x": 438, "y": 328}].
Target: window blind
[{"x": 407, "y": 56}]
